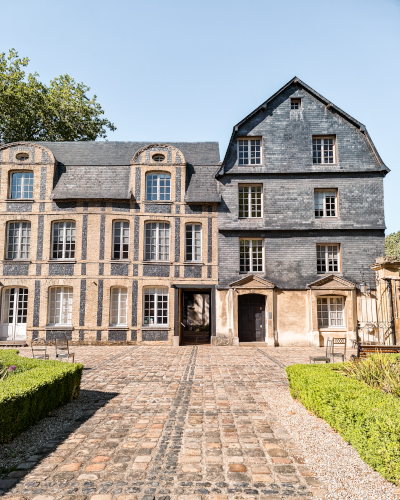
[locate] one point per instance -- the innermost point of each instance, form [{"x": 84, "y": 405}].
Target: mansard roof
[
  {"x": 107, "y": 153},
  {"x": 329, "y": 106},
  {"x": 202, "y": 185}
]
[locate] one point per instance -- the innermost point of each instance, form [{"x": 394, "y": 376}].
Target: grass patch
[
  {"x": 33, "y": 390},
  {"x": 364, "y": 416}
]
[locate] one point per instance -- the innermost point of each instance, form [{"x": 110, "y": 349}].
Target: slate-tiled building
[
  {"x": 109, "y": 242},
  {"x": 300, "y": 221},
  {"x": 153, "y": 242}
]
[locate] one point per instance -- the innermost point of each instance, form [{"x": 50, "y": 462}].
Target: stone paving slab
[{"x": 171, "y": 423}]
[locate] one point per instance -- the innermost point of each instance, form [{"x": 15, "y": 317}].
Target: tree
[
  {"x": 392, "y": 244},
  {"x": 32, "y": 111}
]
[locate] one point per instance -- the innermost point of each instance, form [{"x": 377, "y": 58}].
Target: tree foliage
[
  {"x": 392, "y": 244},
  {"x": 32, "y": 111}
]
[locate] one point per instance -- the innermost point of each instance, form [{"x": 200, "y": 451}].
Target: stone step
[{"x": 13, "y": 343}]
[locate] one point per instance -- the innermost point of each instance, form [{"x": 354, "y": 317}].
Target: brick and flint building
[{"x": 163, "y": 243}]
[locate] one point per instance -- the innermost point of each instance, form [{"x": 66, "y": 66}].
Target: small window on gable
[
  {"x": 295, "y": 103},
  {"x": 324, "y": 149}
]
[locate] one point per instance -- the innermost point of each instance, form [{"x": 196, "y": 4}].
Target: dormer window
[
  {"x": 22, "y": 156},
  {"x": 21, "y": 186},
  {"x": 158, "y": 158},
  {"x": 249, "y": 151}
]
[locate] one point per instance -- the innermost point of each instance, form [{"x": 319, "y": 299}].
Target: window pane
[
  {"x": 243, "y": 152},
  {"x": 121, "y": 240},
  {"x": 18, "y": 240},
  {"x": 257, "y": 259},
  {"x": 193, "y": 242},
  {"x": 255, "y": 152},
  {"x": 333, "y": 261},
  {"x": 316, "y": 150},
  {"x": 158, "y": 187},
  {"x": 22, "y": 305},
  {"x": 189, "y": 242},
  {"x": 321, "y": 262},
  {"x": 330, "y": 203},
  {"x": 22, "y": 185},
  {"x": 243, "y": 201},
  {"x": 244, "y": 255},
  {"x": 319, "y": 203},
  {"x": 63, "y": 246},
  {"x": 328, "y": 150}
]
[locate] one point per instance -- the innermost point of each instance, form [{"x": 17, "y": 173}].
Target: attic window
[
  {"x": 22, "y": 156},
  {"x": 158, "y": 158},
  {"x": 295, "y": 103}
]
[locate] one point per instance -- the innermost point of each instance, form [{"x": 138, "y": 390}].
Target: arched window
[
  {"x": 60, "y": 305},
  {"x": 157, "y": 241},
  {"x": 120, "y": 240},
  {"x": 18, "y": 240},
  {"x": 155, "y": 306},
  {"x": 193, "y": 242},
  {"x": 118, "y": 306},
  {"x": 158, "y": 187},
  {"x": 63, "y": 240},
  {"x": 14, "y": 312},
  {"x": 21, "y": 185}
]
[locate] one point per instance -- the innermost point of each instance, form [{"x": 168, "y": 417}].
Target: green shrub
[
  {"x": 365, "y": 417},
  {"x": 33, "y": 391}
]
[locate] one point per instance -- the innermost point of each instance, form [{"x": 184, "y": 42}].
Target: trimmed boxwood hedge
[
  {"x": 33, "y": 391},
  {"x": 365, "y": 417}
]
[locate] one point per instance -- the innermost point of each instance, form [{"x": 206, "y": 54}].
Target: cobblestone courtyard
[{"x": 172, "y": 423}]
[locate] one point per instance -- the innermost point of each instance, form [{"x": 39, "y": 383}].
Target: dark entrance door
[
  {"x": 196, "y": 318},
  {"x": 251, "y": 318}
]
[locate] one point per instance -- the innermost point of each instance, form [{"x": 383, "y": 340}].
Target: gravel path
[{"x": 335, "y": 462}]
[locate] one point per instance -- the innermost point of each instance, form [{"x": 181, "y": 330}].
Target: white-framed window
[
  {"x": 251, "y": 255},
  {"x": 155, "y": 306},
  {"x": 118, "y": 306},
  {"x": 18, "y": 240},
  {"x": 328, "y": 259},
  {"x": 325, "y": 203},
  {"x": 120, "y": 240},
  {"x": 158, "y": 187},
  {"x": 157, "y": 241},
  {"x": 60, "y": 305},
  {"x": 63, "y": 240},
  {"x": 193, "y": 242},
  {"x": 249, "y": 151},
  {"x": 21, "y": 185},
  {"x": 324, "y": 150},
  {"x": 330, "y": 312},
  {"x": 250, "y": 201}
]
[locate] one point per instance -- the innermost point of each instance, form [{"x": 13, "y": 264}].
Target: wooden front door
[{"x": 251, "y": 318}]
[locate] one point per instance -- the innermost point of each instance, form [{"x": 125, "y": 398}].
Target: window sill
[
  {"x": 122, "y": 327},
  {"x": 62, "y": 261},
  {"x": 60, "y": 327},
  {"x": 193, "y": 263},
  {"x": 159, "y": 262},
  {"x": 328, "y": 330},
  {"x": 123, "y": 261},
  {"x": 17, "y": 261},
  {"x": 329, "y": 273},
  {"x": 155, "y": 327},
  {"x": 251, "y": 272},
  {"x": 17, "y": 200},
  {"x": 326, "y": 217},
  {"x": 159, "y": 202}
]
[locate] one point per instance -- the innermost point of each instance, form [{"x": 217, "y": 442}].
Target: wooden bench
[{"x": 364, "y": 349}]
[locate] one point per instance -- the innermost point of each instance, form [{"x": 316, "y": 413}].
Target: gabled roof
[
  {"x": 98, "y": 153},
  {"x": 333, "y": 281},
  {"x": 253, "y": 281},
  {"x": 318, "y": 96}
]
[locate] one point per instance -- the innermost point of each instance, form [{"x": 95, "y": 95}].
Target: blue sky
[{"x": 188, "y": 70}]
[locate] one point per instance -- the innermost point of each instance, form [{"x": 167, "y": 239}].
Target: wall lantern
[{"x": 363, "y": 288}]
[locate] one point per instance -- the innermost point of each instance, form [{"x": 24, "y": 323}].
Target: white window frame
[
  {"x": 65, "y": 292},
  {"x": 119, "y": 291},
  {"x": 241, "y": 142},
  {"x": 323, "y": 144},
  {"x": 157, "y": 292},
  {"x": 73, "y": 226},
  {"x": 250, "y": 197},
  {"x": 19, "y": 242},
  {"x": 325, "y": 194},
  {"x": 331, "y": 312},
  {"x": 251, "y": 240},
  {"x": 328, "y": 255},
  {"x": 121, "y": 243},
  {"x": 24, "y": 181},
  {"x": 193, "y": 230},
  {"x": 167, "y": 196},
  {"x": 147, "y": 256}
]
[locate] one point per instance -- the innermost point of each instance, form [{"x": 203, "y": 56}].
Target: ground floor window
[
  {"x": 330, "y": 312},
  {"x": 118, "y": 312},
  {"x": 251, "y": 255},
  {"x": 60, "y": 305},
  {"x": 155, "y": 306}
]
